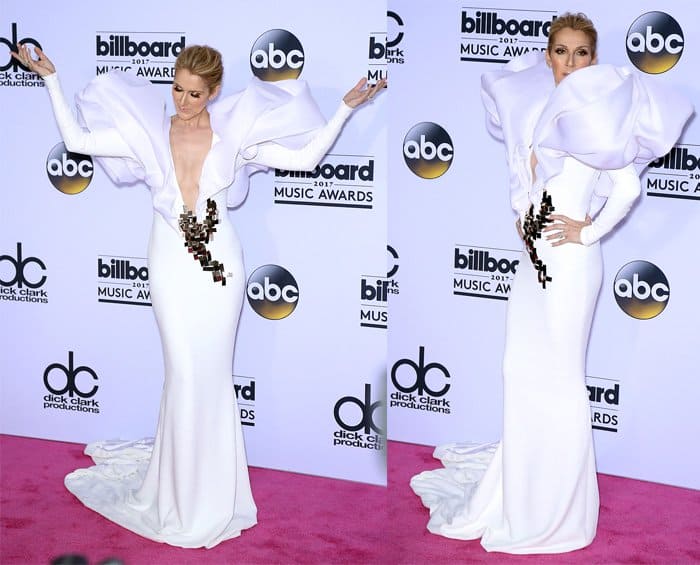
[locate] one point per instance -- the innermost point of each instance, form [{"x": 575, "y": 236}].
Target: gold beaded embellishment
[
  {"x": 532, "y": 229},
  {"x": 197, "y": 235}
]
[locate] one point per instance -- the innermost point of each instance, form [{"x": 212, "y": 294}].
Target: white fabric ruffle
[
  {"x": 604, "y": 116},
  {"x": 283, "y": 112}
]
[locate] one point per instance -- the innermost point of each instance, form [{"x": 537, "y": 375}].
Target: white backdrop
[
  {"x": 642, "y": 373},
  {"x": 328, "y": 357},
  {"x": 302, "y": 380}
]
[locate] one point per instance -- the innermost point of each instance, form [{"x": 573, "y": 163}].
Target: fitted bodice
[{"x": 573, "y": 188}]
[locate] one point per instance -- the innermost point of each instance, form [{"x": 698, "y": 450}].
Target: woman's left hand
[
  {"x": 563, "y": 229},
  {"x": 41, "y": 65},
  {"x": 361, "y": 93}
]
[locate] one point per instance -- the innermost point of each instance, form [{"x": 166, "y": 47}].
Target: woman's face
[
  {"x": 191, "y": 94},
  {"x": 571, "y": 50}
]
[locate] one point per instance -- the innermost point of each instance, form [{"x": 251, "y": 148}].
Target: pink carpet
[
  {"x": 639, "y": 522},
  {"x": 302, "y": 519},
  {"x": 306, "y": 519}
]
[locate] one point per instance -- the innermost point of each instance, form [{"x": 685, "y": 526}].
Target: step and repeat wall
[
  {"x": 454, "y": 248},
  {"x": 81, "y": 355}
]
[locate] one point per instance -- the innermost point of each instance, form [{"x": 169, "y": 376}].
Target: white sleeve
[
  {"x": 100, "y": 143},
  {"x": 306, "y": 158},
  {"x": 625, "y": 190}
]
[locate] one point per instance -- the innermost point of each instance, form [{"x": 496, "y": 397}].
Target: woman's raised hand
[
  {"x": 361, "y": 93},
  {"x": 41, "y": 66}
]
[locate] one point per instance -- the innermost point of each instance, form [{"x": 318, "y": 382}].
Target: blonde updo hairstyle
[
  {"x": 577, "y": 22},
  {"x": 203, "y": 61}
]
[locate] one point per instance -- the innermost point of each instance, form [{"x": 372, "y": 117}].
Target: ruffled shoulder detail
[
  {"x": 604, "y": 116},
  {"x": 514, "y": 97},
  {"x": 609, "y": 117},
  {"x": 134, "y": 107},
  {"x": 282, "y": 112}
]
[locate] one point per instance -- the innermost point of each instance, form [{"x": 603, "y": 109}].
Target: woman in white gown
[
  {"x": 566, "y": 138},
  {"x": 189, "y": 486}
]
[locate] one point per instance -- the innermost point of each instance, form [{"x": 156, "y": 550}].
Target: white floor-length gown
[
  {"x": 189, "y": 485},
  {"x": 536, "y": 490}
]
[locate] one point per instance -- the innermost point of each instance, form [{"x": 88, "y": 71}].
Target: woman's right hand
[
  {"x": 41, "y": 66},
  {"x": 361, "y": 92}
]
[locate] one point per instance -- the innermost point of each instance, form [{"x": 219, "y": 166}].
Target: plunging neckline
[{"x": 214, "y": 140}]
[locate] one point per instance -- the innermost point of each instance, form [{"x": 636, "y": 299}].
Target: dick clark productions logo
[
  {"x": 358, "y": 428},
  {"x": 70, "y": 387},
  {"x": 415, "y": 389},
  {"x": 21, "y": 278},
  {"x": 12, "y": 72}
]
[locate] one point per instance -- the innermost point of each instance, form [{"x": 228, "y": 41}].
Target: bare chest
[{"x": 189, "y": 148}]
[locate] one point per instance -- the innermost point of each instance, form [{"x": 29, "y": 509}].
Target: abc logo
[
  {"x": 414, "y": 377},
  {"x": 20, "y": 274},
  {"x": 427, "y": 150},
  {"x": 276, "y": 55},
  {"x": 349, "y": 420},
  {"x": 11, "y": 44},
  {"x": 69, "y": 379},
  {"x": 272, "y": 292},
  {"x": 654, "y": 42},
  {"x": 641, "y": 290},
  {"x": 69, "y": 172}
]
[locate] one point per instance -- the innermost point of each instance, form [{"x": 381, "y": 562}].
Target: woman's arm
[
  {"x": 102, "y": 143},
  {"x": 306, "y": 158},
  {"x": 626, "y": 188}
]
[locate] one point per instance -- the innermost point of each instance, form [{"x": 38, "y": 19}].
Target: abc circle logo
[
  {"x": 69, "y": 172},
  {"x": 428, "y": 150},
  {"x": 415, "y": 376},
  {"x": 20, "y": 277},
  {"x": 654, "y": 42},
  {"x": 365, "y": 422},
  {"x": 641, "y": 290},
  {"x": 272, "y": 292},
  {"x": 277, "y": 55},
  {"x": 69, "y": 379}
]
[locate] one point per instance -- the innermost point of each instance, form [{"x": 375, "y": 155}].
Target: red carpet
[
  {"x": 639, "y": 522},
  {"x": 306, "y": 519}
]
